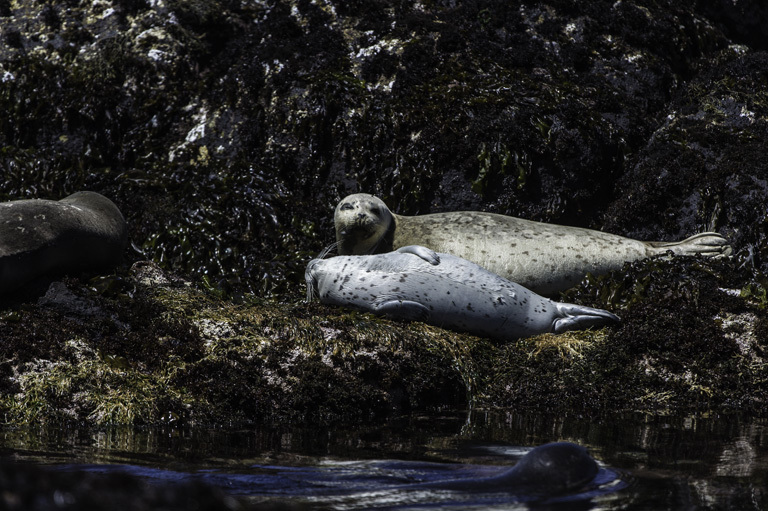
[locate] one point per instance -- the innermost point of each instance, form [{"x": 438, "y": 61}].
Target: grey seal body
[
  {"x": 37, "y": 237},
  {"x": 416, "y": 283},
  {"x": 557, "y": 467},
  {"x": 546, "y": 258}
]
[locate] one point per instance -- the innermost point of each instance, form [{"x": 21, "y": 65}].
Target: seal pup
[
  {"x": 545, "y": 258},
  {"x": 557, "y": 467},
  {"x": 38, "y": 237},
  {"x": 416, "y": 283}
]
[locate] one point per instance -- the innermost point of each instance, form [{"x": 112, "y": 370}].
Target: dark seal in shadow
[
  {"x": 555, "y": 468},
  {"x": 39, "y": 238}
]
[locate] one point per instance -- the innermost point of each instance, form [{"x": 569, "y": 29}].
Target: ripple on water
[{"x": 368, "y": 484}]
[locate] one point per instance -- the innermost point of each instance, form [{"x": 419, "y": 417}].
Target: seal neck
[{"x": 385, "y": 243}]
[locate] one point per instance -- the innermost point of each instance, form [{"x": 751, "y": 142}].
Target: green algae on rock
[
  {"x": 160, "y": 351},
  {"x": 155, "y": 349}
]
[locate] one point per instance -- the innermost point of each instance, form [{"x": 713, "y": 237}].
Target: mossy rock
[
  {"x": 227, "y": 133},
  {"x": 150, "y": 348}
]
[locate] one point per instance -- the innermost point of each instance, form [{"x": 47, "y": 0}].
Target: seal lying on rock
[
  {"x": 416, "y": 283},
  {"x": 545, "y": 258},
  {"x": 553, "y": 468},
  {"x": 37, "y": 237}
]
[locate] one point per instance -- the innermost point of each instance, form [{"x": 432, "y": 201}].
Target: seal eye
[{"x": 346, "y": 206}]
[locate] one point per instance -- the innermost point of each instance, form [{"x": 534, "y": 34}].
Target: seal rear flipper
[
  {"x": 403, "y": 309},
  {"x": 577, "y": 317},
  {"x": 710, "y": 244}
]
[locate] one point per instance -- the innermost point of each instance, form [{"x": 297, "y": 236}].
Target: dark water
[{"x": 645, "y": 462}]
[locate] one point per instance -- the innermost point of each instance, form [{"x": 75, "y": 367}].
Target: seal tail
[
  {"x": 578, "y": 317},
  {"x": 709, "y": 244}
]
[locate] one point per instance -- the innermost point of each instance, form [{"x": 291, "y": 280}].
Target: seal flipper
[
  {"x": 709, "y": 244},
  {"x": 403, "y": 309},
  {"x": 425, "y": 253},
  {"x": 573, "y": 317}
]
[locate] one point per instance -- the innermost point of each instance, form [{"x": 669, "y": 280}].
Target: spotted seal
[
  {"x": 416, "y": 283},
  {"x": 545, "y": 258},
  {"x": 38, "y": 237},
  {"x": 553, "y": 468}
]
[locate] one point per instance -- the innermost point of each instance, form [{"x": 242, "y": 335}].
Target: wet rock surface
[{"x": 226, "y": 132}]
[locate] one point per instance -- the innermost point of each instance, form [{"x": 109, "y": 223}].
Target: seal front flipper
[
  {"x": 425, "y": 253},
  {"x": 573, "y": 317},
  {"x": 403, "y": 309}
]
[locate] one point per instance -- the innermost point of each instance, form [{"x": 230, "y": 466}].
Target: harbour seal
[
  {"x": 38, "y": 237},
  {"x": 545, "y": 258},
  {"x": 416, "y": 283},
  {"x": 556, "y": 467}
]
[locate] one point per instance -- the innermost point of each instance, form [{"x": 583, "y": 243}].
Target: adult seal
[
  {"x": 416, "y": 283},
  {"x": 84, "y": 231},
  {"x": 545, "y": 258},
  {"x": 552, "y": 468}
]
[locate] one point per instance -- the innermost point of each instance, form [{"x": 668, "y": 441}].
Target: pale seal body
[
  {"x": 37, "y": 237},
  {"x": 416, "y": 283},
  {"x": 546, "y": 258}
]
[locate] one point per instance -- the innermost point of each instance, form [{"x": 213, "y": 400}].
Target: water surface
[{"x": 646, "y": 462}]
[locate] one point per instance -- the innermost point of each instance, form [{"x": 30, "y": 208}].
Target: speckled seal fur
[
  {"x": 545, "y": 258},
  {"x": 415, "y": 283}
]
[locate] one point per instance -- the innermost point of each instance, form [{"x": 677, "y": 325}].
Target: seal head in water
[{"x": 553, "y": 468}]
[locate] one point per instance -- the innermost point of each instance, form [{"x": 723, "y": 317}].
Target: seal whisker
[
  {"x": 327, "y": 250},
  {"x": 309, "y": 274}
]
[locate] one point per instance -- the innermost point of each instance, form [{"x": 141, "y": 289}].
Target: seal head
[
  {"x": 553, "y": 468},
  {"x": 364, "y": 225},
  {"x": 556, "y": 467}
]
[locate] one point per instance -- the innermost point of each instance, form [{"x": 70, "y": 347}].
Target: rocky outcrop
[{"x": 227, "y": 131}]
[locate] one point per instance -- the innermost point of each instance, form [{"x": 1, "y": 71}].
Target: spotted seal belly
[
  {"x": 416, "y": 283},
  {"x": 546, "y": 258}
]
